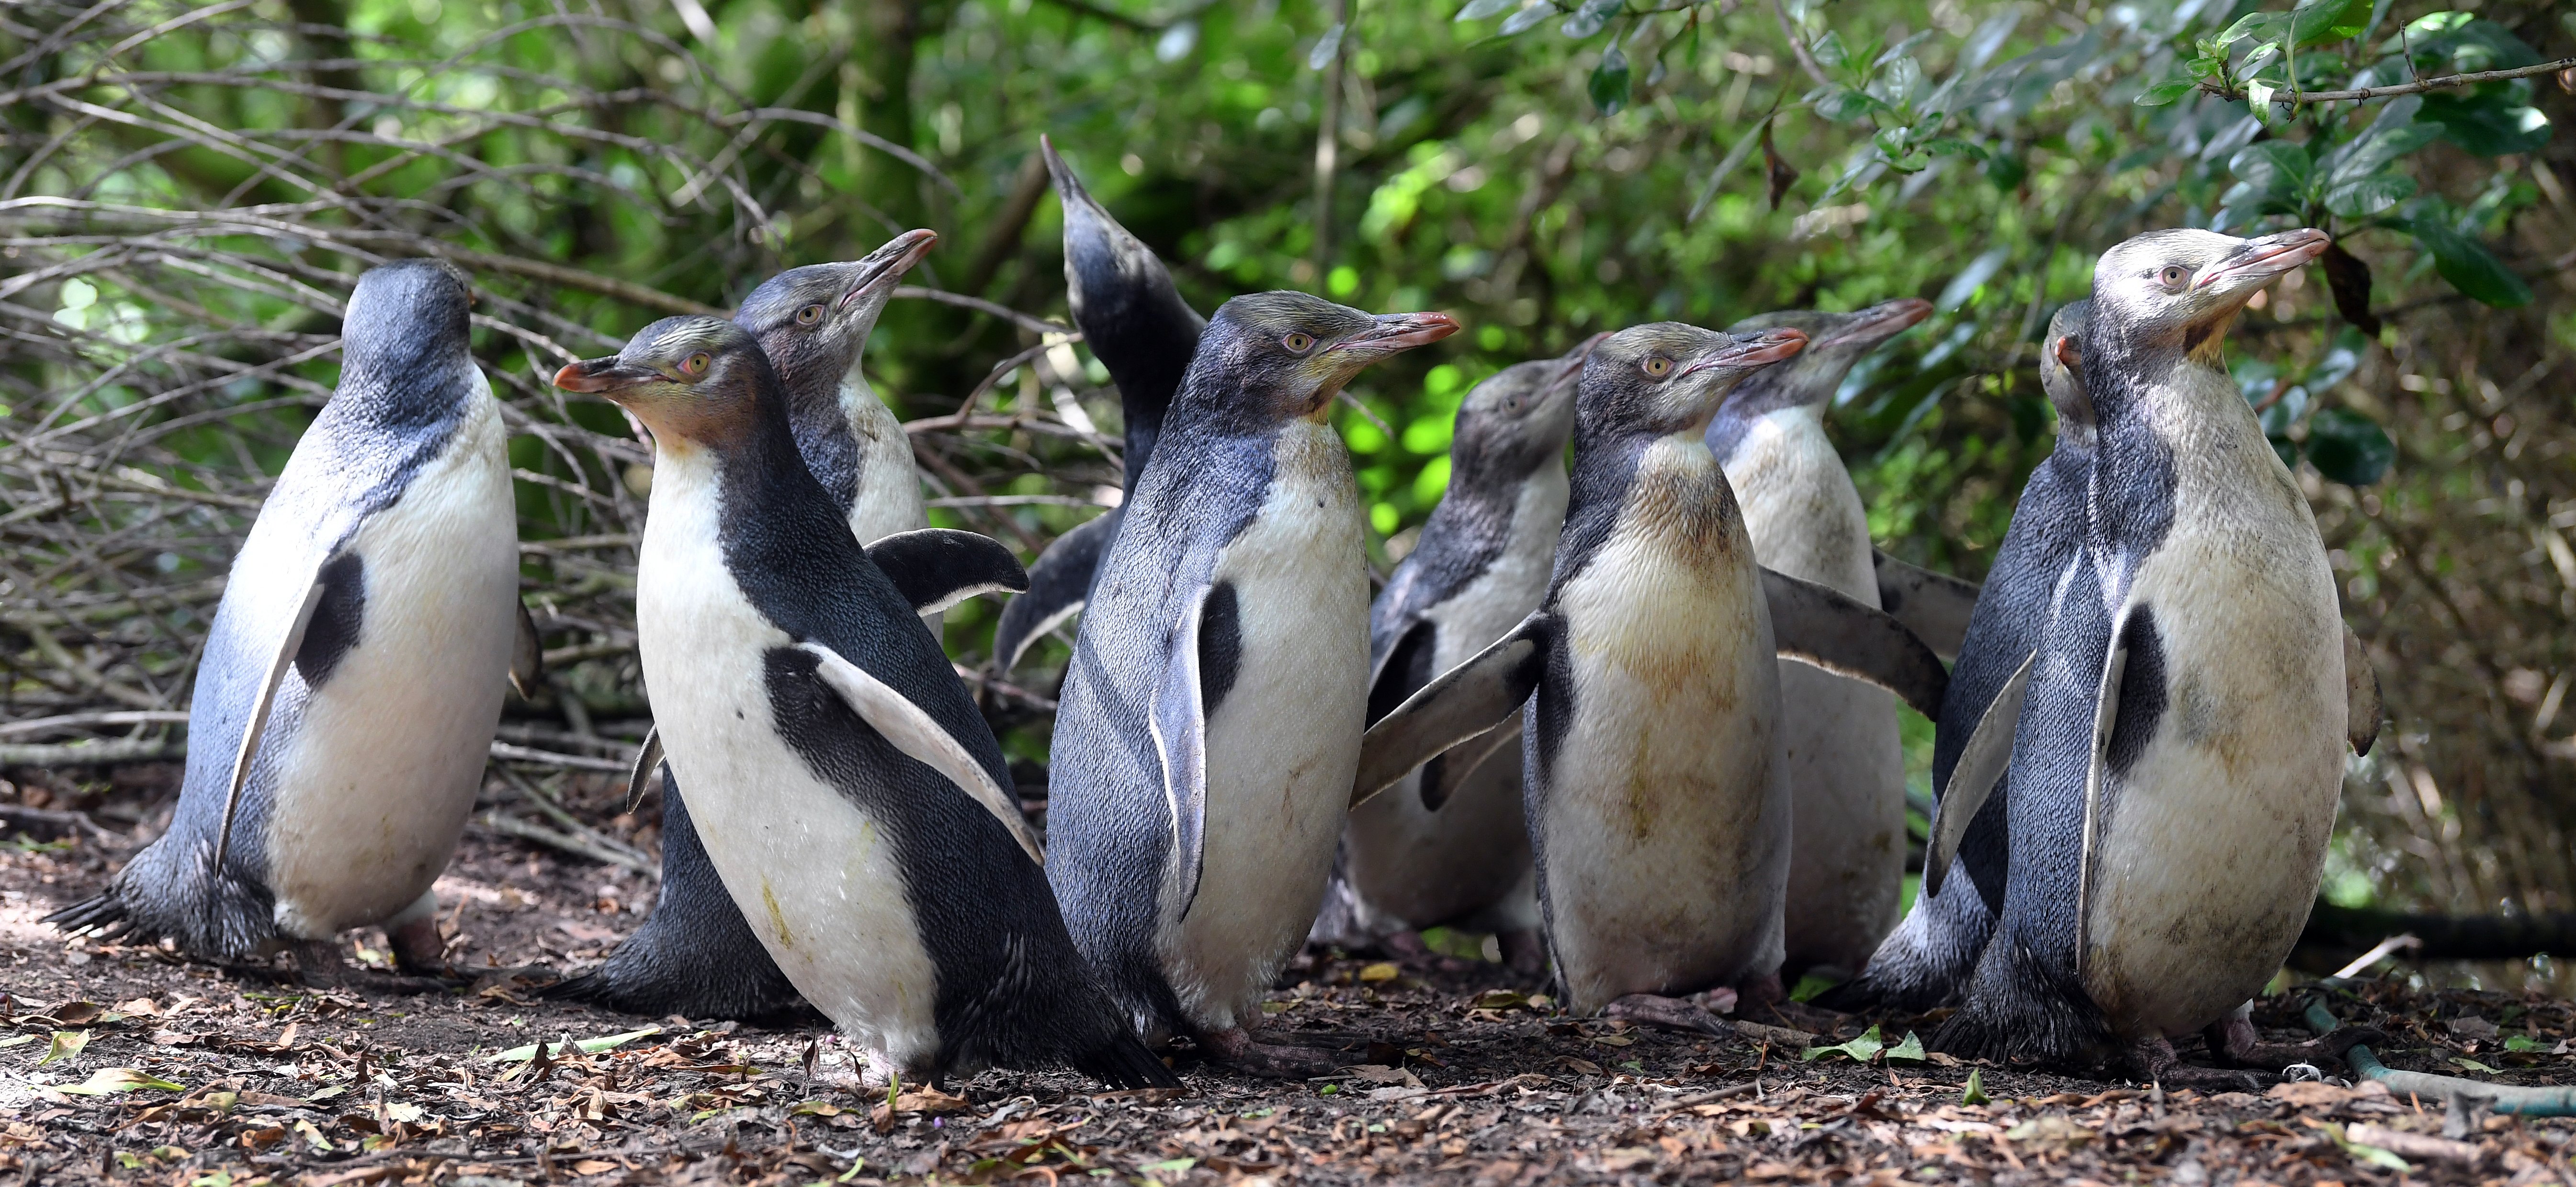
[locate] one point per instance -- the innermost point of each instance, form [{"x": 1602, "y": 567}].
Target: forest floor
[{"x": 125, "y": 1064}]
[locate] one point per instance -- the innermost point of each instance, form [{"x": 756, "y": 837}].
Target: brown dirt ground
[{"x": 1453, "y": 1076}]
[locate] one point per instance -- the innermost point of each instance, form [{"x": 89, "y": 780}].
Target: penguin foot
[
  {"x": 2152, "y": 1060},
  {"x": 1235, "y": 1048},
  {"x": 2237, "y": 1041},
  {"x": 1524, "y": 951},
  {"x": 318, "y": 965},
  {"x": 1668, "y": 1013},
  {"x": 418, "y": 948}
]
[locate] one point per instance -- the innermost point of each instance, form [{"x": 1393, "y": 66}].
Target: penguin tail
[
  {"x": 1123, "y": 1061},
  {"x": 103, "y": 914},
  {"x": 1919, "y": 967},
  {"x": 2021, "y": 1007}
]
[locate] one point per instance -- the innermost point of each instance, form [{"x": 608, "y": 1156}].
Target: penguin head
[
  {"x": 2061, "y": 371},
  {"x": 1835, "y": 341},
  {"x": 1666, "y": 377},
  {"x": 813, "y": 321},
  {"x": 1519, "y": 417},
  {"x": 692, "y": 380},
  {"x": 1101, "y": 256},
  {"x": 1287, "y": 354},
  {"x": 406, "y": 321},
  {"x": 2184, "y": 286}
]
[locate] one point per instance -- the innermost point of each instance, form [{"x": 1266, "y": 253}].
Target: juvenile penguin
[
  {"x": 695, "y": 955},
  {"x": 353, "y": 678},
  {"x": 1846, "y": 759},
  {"x": 847, "y": 792},
  {"x": 1448, "y": 842},
  {"x": 2178, "y": 762},
  {"x": 1210, "y": 720},
  {"x": 1139, "y": 328},
  {"x": 1929, "y": 956}
]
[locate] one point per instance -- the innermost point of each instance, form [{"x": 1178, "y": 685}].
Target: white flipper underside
[{"x": 912, "y": 731}]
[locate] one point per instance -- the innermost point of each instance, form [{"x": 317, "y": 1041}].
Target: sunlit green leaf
[
  {"x": 66, "y": 1044},
  {"x": 1859, "y": 1050},
  {"x": 109, "y": 1080},
  {"x": 1911, "y": 1050},
  {"x": 1974, "y": 1093}
]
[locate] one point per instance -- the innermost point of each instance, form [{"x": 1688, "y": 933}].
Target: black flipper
[
  {"x": 1465, "y": 703},
  {"x": 2361, "y": 693},
  {"x": 1059, "y": 585},
  {"x": 1981, "y": 766},
  {"x": 527, "y": 656},
  {"x": 1935, "y": 606},
  {"x": 1818, "y": 625},
  {"x": 935, "y": 568}
]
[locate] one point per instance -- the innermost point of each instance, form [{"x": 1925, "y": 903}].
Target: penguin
[
  {"x": 1654, "y": 775},
  {"x": 847, "y": 792},
  {"x": 1449, "y": 842},
  {"x": 696, "y": 956},
  {"x": 1928, "y": 958},
  {"x": 1138, "y": 326},
  {"x": 353, "y": 678},
  {"x": 1846, "y": 760},
  {"x": 2177, "y": 762},
  {"x": 1210, "y": 720}
]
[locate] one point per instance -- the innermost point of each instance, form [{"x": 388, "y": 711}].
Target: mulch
[{"x": 126, "y": 1064}]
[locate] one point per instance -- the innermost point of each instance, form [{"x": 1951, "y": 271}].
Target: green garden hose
[{"x": 2500, "y": 1098}]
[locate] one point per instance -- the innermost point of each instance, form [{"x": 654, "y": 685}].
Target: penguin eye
[
  {"x": 809, "y": 315},
  {"x": 2173, "y": 275},
  {"x": 1657, "y": 366},
  {"x": 1298, "y": 342},
  {"x": 696, "y": 365}
]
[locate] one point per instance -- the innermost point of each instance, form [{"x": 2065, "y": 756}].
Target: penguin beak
[
  {"x": 2257, "y": 261},
  {"x": 1396, "y": 332},
  {"x": 888, "y": 264},
  {"x": 1068, "y": 188},
  {"x": 609, "y": 376},
  {"x": 1745, "y": 354},
  {"x": 1880, "y": 323}
]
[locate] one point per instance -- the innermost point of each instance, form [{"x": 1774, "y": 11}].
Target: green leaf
[
  {"x": 1947, "y": 146},
  {"x": 2522, "y": 1043},
  {"x": 2468, "y": 265},
  {"x": 2371, "y": 1155},
  {"x": 1848, "y": 104},
  {"x": 2475, "y": 1066},
  {"x": 2274, "y": 168},
  {"x": 1610, "y": 81},
  {"x": 1859, "y": 1050},
  {"x": 66, "y": 1044},
  {"x": 585, "y": 1046},
  {"x": 1526, "y": 19},
  {"x": 1327, "y": 47},
  {"x": 2349, "y": 448},
  {"x": 1975, "y": 1092},
  {"x": 2259, "y": 26},
  {"x": 1809, "y": 985},
  {"x": 1590, "y": 18},
  {"x": 1911, "y": 1050},
  {"x": 2367, "y": 196},
  {"x": 2164, "y": 93},
  {"x": 2489, "y": 125},
  {"x": 1477, "y": 10},
  {"x": 1829, "y": 51},
  {"x": 108, "y": 1080},
  {"x": 2324, "y": 22}
]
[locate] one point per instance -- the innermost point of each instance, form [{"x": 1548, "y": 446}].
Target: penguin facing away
[
  {"x": 1210, "y": 721},
  {"x": 1136, "y": 324},
  {"x": 2179, "y": 758},
  {"x": 846, "y": 790},
  {"x": 1929, "y": 956},
  {"x": 695, "y": 955},
  {"x": 1846, "y": 759},
  {"x": 1449, "y": 842},
  {"x": 353, "y": 678}
]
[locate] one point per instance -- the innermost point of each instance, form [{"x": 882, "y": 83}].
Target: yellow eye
[
  {"x": 696, "y": 365},
  {"x": 2174, "y": 275},
  {"x": 809, "y": 315},
  {"x": 1657, "y": 365},
  {"x": 1298, "y": 341}
]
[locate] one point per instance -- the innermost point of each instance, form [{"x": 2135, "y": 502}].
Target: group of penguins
[{"x": 1632, "y": 712}]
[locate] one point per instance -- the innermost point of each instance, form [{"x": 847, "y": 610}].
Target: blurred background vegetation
[{"x": 186, "y": 193}]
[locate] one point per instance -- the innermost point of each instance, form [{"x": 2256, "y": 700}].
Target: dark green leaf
[
  {"x": 2348, "y": 447},
  {"x": 1829, "y": 51},
  {"x": 2489, "y": 125},
  {"x": 2468, "y": 265},
  {"x": 2005, "y": 169},
  {"x": 2324, "y": 22},
  {"x": 1848, "y": 104},
  {"x": 2273, "y": 168},
  {"x": 1609, "y": 86},
  {"x": 2166, "y": 92},
  {"x": 2369, "y": 195},
  {"x": 1946, "y": 146},
  {"x": 2205, "y": 66}
]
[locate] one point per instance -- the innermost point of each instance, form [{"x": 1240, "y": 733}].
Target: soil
[{"x": 1453, "y": 1072}]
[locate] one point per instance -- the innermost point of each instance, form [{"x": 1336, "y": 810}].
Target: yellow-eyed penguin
[
  {"x": 1656, "y": 791},
  {"x": 845, "y": 788},
  {"x": 1846, "y": 760},
  {"x": 353, "y": 678},
  {"x": 1210, "y": 720},
  {"x": 2178, "y": 759},
  {"x": 695, "y": 955},
  {"x": 1448, "y": 841},
  {"x": 1136, "y": 324},
  {"x": 1929, "y": 956}
]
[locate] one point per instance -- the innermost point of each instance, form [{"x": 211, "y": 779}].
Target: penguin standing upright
[
  {"x": 350, "y": 687},
  {"x": 695, "y": 955},
  {"x": 1448, "y": 841},
  {"x": 1929, "y": 956},
  {"x": 846, "y": 789},
  {"x": 1139, "y": 328},
  {"x": 1846, "y": 759},
  {"x": 1210, "y": 720},
  {"x": 2178, "y": 761}
]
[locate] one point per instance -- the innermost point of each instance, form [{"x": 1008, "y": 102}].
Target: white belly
[
  {"x": 1665, "y": 826},
  {"x": 1284, "y": 745},
  {"x": 811, "y": 871},
  {"x": 1846, "y": 758},
  {"x": 2204, "y": 863},
  {"x": 374, "y": 785},
  {"x": 1423, "y": 867}
]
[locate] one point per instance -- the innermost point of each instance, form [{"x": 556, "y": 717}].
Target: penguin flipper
[
  {"x": 915, "y": 733},
  {"x": 1980, "y": 766},
  {"x": 1466, "y": 702},
  {"x": 648, "y": 757},
  {"x": 1178, "y": 721},
  {"x": 527, "y": 655},
  {"x": 1058, "y": 585},
  {"x": 2134, "y": 620},
  {"x": 1817, "y": 625},
  {"x": 1935, "y": 606},
  {"x": 256, "y": 722},
  {"x": 936, "y": 568},
  {"x": 2363, "y": 714}
]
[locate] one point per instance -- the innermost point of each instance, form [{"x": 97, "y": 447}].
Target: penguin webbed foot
[
  {"x": 2153, "y": 1060},
  {"x": 420, "y": 951},
  {"x": 1235, "y": 1048},
  {"x": 1666, "y": 1013},
  {"x": 317, "y": 965},
  {"x": 1524, "y": 951},
  {"x": 2236, "y": 1041}
]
